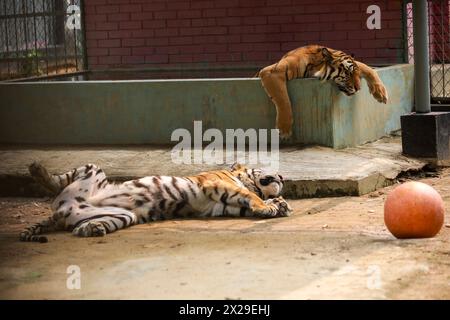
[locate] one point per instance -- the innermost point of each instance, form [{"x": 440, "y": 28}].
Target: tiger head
[
  {"x": 265, "y": 185},
  {"x": 342, "y": 69}
]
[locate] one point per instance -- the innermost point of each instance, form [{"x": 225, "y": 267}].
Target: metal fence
[
  {"x": 40, "y": 38},
  {"x": 439, "y": 44}
]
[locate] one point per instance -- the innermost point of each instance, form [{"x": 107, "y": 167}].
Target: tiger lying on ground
[
  {"x": 89, "y": 206},
  {"x": 316, "y": 62}
]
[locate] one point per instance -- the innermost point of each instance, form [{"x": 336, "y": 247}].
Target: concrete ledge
[
  {"x": 427, "y": 135},
  {"x": 147, "y": 111},
  {"x": 309, "y": 172}
]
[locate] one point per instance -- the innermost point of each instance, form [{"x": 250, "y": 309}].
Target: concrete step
[{"x": 309, "y": 172}]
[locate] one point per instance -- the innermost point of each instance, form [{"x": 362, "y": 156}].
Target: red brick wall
[{"x": 208, "y": 33}]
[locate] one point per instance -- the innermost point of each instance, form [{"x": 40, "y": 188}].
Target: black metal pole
[{"x": 421, "y": 56}]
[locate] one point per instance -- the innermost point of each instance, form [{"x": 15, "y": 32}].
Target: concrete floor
[{"x": 330, "y": 248}]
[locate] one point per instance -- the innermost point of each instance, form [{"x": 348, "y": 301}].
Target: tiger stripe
[{"x": 319, "y": 62}]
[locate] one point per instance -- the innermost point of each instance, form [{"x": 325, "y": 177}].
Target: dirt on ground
[{"x": 330, "y": 248}]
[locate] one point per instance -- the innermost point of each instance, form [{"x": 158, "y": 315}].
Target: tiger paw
[
  {"x": 285, "y": 132},
  {"x": 286, "y": 136},
  {"x": 277, "y": 207},
  {"x": 284, "y": 125},
  {"x": 283, "y": 208},
  {"x": 40, "y": 175},
  {"x": 379, "y": 92},
  {"x": 90, "y": 229}
]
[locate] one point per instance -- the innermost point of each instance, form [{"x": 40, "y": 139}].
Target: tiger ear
[
  {"x": 352, "y": 55},
  {"x": 327, "y": 54},
  {"x": 236, "y": 166}
]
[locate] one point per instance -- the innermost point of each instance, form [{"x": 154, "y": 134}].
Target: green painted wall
[{"x": 147, "y": 111}]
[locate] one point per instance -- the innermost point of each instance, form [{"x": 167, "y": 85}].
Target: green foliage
[{"x": 30, "y": 63}]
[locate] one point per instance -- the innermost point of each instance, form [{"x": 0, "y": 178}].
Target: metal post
[{"x": 421, "y": 56}]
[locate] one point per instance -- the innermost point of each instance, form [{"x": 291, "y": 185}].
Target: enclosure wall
[
  {"x": 147, "y": 111},
  {"x": 235, "y": 33}
]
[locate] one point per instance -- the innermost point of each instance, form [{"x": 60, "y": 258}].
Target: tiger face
[
  {"x": 266, "y": 185},
  {"x": 343, "y": 71},
  {"x": 269, "y": 184}
]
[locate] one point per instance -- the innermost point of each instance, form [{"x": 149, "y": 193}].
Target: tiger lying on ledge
[
  {"x": 316, "y": 62},
  {"x": 89, "y": 206}
]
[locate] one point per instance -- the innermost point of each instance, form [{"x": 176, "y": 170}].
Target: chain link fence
[
  {"x": 439, "y": 37},
  {"x": 40, "y": 38}
]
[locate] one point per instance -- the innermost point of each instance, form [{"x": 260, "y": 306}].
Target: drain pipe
[{"x": 421, "y": 56}]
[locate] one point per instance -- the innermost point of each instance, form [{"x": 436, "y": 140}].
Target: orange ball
[{"x": 414, "y": 210}]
